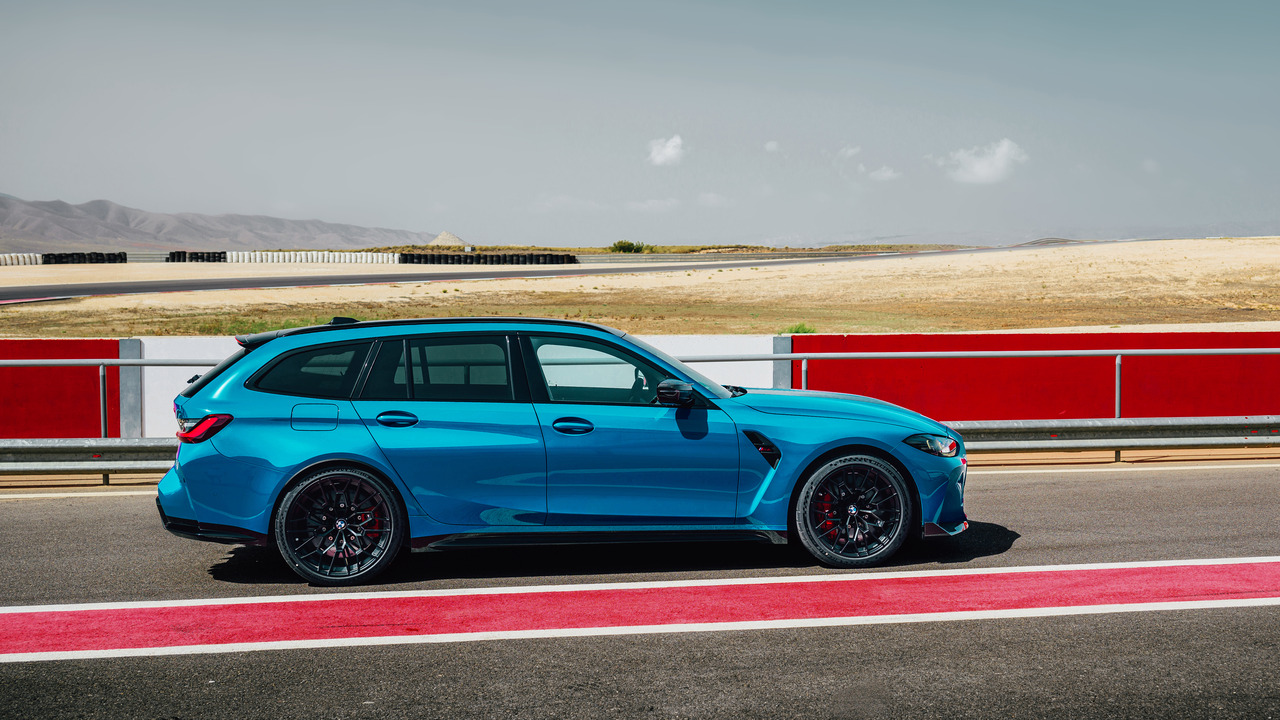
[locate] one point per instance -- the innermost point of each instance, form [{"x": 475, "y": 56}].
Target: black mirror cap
[{"x": 675, "y": 393}]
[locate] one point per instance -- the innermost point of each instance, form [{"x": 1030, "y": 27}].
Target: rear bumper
[{"x": 193, "y": 530}]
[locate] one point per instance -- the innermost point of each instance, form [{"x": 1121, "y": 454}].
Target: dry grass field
[{"x": 1195, "y": 281}]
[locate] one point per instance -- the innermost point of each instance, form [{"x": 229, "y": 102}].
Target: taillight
[{"x": 205, "y": 428}]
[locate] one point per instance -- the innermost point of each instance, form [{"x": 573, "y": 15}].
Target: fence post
[
  {"x": 1118, "y": 397},
  {"x": 804, "y": 374},
  {"x": 102, "y": 407}
]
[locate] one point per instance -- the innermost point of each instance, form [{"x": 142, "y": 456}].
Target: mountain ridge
[{"x": 102, "y": 225}]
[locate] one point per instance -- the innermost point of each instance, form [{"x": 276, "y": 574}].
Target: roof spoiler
[{"x": 249, "y": 342}]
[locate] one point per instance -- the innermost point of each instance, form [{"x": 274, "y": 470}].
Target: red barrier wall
[
  {"x": 1050, "y": 388},
  {"x": 57, "y": 402}
]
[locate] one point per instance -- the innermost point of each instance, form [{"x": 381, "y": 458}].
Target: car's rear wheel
[
  {"x": 853, "y": 511},
  {"x": 339, "y": 526}
]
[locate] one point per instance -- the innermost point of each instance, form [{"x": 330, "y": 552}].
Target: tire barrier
[
  {"x": 20, "y": 259},
  {"x": 488, "y": 258},
  {"x": 313, "y": 256},
  {"x": 189, "y": 256},
  {"x": 80, "y": 258}
]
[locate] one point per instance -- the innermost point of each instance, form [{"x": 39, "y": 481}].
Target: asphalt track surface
[
  {"x": 1206, "y": 661},
  {"x": 41, "y": 292}
]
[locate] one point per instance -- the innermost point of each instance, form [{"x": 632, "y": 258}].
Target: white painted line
[
  {"x": 640, "y": 585},
  {"x": 43, "y": 496},
  {"x": 1162, "y": 468},
  {"x": 645, "y": 629}
]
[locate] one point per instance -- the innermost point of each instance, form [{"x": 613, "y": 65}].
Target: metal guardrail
[
  {"x": 1198, "y": 433},
  {"x": 90, "y": 456},
  {"x": 107, "y": 456}
]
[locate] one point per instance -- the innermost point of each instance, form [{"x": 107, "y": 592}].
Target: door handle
[
  {"x": 573, "y": 426},
  {"x": 396, "y": 418}
]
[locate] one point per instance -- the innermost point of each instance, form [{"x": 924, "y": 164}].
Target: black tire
[
  {"x": 854, "y": 511},
  {"x": 339, "y": 526}
]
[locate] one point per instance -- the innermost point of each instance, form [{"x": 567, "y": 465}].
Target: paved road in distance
[
  {"x": 301, "y": 279},
  {"x": 1150, "y": 664}
]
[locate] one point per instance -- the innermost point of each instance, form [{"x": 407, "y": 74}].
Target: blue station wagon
[{"x": 344, "y": 443}]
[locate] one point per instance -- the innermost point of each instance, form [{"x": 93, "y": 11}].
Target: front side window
[
  {"x": 584, "y": 371},
  {"x": 323, "y": 372},
  {"x": 474, "y": 368}
]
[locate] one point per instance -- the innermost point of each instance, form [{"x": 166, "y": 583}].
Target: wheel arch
[
  {"x": 330, "y": 463},
  {"x": 853, "y": 448}
]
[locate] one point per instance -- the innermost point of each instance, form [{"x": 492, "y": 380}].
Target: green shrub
[
  {"x": 626, "y": 246},
  {"x": 799, "y": 329}
]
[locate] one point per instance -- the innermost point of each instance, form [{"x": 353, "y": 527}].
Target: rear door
[{"x": 457, "y": 425}]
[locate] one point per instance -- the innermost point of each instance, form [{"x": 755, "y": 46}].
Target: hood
[{"x": 812, "y": 403}]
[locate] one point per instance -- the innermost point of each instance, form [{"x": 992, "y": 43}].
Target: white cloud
[
  {"x": 884, "y": 173},
  {"x": 713, "y": 200},
  {"x": 563, "y": 203},
  {"x": 772, "y": 146},
  {"x": 1151, "y": 167},
  {"x": 848, "y": 151},
  {"x": 666, "y": 151},
  {"x": 654, "y": 206},
  {"x": 983, "y": 165}
]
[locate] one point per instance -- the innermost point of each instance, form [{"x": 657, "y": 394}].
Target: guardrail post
[
  {"x": 804, "y": 374},
  {"x": 102, "y": 407},
  {"x": 1118, "y": 397}
]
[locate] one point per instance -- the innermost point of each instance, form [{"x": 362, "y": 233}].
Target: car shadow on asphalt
[{"x": 262, "y": 565}]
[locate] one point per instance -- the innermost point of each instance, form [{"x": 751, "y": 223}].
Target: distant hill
[{"x": 101, "y": 225}]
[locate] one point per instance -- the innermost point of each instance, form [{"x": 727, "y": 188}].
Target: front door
[
  {"x": 445, "y": 412},
  {"x": 616, "y": 457}
]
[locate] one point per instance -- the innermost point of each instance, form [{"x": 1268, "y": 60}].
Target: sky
[{"x": 583, "y": 123}]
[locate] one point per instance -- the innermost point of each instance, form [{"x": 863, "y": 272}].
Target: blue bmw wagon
[{"x": 341, "y": 444}]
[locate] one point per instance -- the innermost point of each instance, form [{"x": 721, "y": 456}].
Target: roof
[{"x": 343, "y": 323}]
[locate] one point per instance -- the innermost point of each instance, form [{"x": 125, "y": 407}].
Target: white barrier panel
[
  {"x": 20, "y": 259},
  {"x": 746, "y": 374},
  {"x": 160, "y": 385}
]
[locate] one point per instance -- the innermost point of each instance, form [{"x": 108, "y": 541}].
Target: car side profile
[{"x": 342, "y": 444}]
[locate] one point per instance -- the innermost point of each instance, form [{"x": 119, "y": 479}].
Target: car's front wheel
[
  {"x": 339, "y": 526},
  {"x": 853, "y": 511}
]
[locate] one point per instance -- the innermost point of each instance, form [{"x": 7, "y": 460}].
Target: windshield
[{"x": 711, "y": 385}]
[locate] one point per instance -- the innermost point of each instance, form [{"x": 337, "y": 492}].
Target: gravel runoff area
[{"x": 1223, "y": 283}]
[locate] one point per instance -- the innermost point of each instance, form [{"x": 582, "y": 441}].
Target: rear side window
[
  {"x": 474, "y": 368},
  {"x": 324, "y": 372},
  {"x": 452, "y": 368}
]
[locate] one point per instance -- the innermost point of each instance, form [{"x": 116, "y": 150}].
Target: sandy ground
[{"x": 1233, "y": 281}]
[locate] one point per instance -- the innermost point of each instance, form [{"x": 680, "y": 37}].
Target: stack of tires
[
  {"x": 77, "y": 258},
  {"x": 488, "y": 259},
  {"x": 185, "y": 256}
]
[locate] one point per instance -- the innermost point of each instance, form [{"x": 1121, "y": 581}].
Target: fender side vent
[{"x": 768, "y": 450}]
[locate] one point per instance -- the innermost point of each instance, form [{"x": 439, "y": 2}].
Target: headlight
[{"x": 939, "y": 445}]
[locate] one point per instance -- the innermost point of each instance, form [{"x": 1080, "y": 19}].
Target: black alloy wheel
[
  {"x": 854, "y": 511},
  {"x": 339, "y": 526}
]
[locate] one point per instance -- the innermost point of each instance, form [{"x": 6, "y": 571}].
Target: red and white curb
[{"x": 183, "y": 627}]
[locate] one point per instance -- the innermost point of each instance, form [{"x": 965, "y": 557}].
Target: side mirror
[{"x": 675, "y": 393}]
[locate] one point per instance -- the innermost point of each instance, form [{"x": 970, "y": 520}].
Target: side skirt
[{"x": 592, "y": 537}]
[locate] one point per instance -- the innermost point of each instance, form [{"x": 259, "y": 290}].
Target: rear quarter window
[
  {"x": 217, "y": 370},
  {"x": 324, "y": 372}
]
